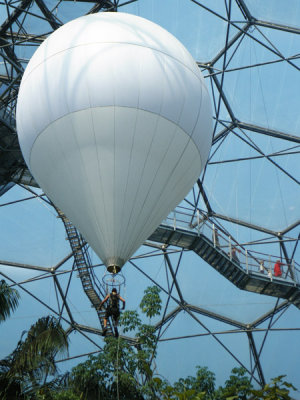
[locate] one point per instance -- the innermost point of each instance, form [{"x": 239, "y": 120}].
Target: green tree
[
  {"x": 203, "y": 382},
  {"x": 24, "y": 373},
  {"x": 199, "y": 387},
  {"x": 238, "y": 386},
  {"x": 9, "y": 300},
  {"x": 151, "y": 301},
  {"x": 124, "y": 368},
  {"x": 276, "y": 390}
]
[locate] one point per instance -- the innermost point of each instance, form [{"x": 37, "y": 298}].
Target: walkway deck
[{"x": 242, "y": 278}]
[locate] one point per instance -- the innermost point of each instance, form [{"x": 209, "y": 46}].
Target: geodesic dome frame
[{"x": 248, "y": 53}]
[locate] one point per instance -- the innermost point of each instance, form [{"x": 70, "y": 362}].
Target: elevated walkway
[{"x": 245, "y": 275}]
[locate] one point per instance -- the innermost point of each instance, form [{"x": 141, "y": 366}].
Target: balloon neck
[
  {"x": 114, "y": 264},
  {"x": 113, "y": 269}
]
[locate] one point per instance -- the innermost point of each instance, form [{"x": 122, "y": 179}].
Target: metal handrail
[{"x": 250, "y": 260}]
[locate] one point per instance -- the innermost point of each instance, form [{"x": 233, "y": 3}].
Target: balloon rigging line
[{"x": 118, "y": 397}]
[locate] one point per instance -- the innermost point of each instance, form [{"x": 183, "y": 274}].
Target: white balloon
[{"x": 114, "y": 122}]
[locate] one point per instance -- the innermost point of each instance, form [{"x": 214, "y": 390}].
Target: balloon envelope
[{"x": 114, "y": 122}]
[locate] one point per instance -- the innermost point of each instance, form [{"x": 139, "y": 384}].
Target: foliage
[
  {"x": 203, "y": 382},
  {"x": 9, "y": 300},
  {"x": 130, "y": 320},
  {"x": 122, "y": 370},
  {"x": 125, "y": 371},
  {"x": 151, "y": 302},
  {"x": 238, "y": 386},
  {"x": 26, "y": 370},
  {"x": 199, "y": 387},
  {"x": 276, "y": 390}
]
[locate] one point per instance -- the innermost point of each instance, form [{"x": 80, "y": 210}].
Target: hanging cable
[{"x": 118, "y": 395}]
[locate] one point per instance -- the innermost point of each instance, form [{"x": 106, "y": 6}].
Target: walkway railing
[{"x": 250, "y": 260}]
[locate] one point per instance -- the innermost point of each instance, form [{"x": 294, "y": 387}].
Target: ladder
[{"x": 85, "y": 271}]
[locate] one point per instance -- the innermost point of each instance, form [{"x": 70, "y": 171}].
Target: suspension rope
[{"x": 118, "y": 347}]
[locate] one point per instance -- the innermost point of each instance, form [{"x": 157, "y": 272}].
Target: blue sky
[{"x": 252, "y": 190}]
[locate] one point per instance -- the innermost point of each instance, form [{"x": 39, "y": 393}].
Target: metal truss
[
  {"x": 15, "y": 34},
  {"x": 63, "y": 310}
]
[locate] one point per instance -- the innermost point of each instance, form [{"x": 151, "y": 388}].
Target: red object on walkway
[{"x": 277, "y": 269}]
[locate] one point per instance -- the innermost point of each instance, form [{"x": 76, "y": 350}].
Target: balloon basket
[{"x": 111, "y": 281}]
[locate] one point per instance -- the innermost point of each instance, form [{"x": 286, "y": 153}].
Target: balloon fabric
[{"x": 114, "y": 122}]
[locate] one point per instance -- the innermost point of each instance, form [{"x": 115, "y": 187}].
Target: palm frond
[
  {"x": 35, "y": 356},
  {"x": 9, "y": 300}
]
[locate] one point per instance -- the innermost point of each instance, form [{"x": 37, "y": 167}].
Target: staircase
[
  {"x": 85, "y": 271},
  {"x": 215, "y": 256},
  {"x": 233, "y": 271}
]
